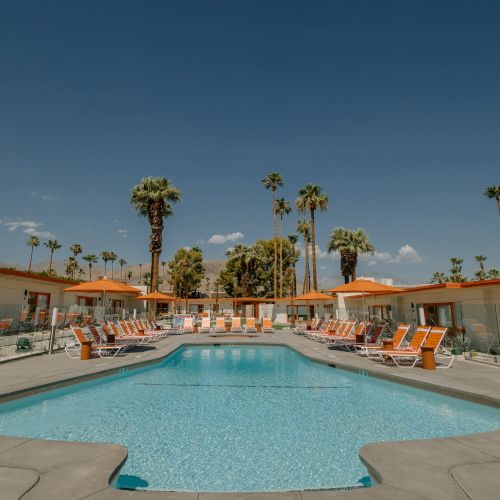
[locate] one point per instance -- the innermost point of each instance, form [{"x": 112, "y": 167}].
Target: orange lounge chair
[
  {"x": 5, "y": 324},
  {"x": 250, "y": 326},
  {"x": 373, "y": 347},
  {"x": 205, "y": 325},
  {"x": 413, "y": 347},
  {"x": 108, "y": 350},
  {"x": 267, "y": 325},
  {"x": 432, "y": 341},
  {"x": 236, "y": 325}
]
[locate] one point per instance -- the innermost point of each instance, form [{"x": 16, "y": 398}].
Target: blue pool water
[{"x": 241, "y": 418}]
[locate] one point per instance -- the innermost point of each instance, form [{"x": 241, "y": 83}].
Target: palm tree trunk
[
  {"x": 313, "y": 245},
  {"x": 307, "y": 278},
  {"x": 275, "y": 246},
  {"x": 121, "y": 272},
  {"x": 31, "y": 257},
  {"x": 294, "y": 285},
  {"x": 105, "y": 268},
  {"x": 90, "y": 271},
  {"x": 281, "y": 256},
  {"x": 50, "y": 262},
  {"x": 112, "y": 271}
]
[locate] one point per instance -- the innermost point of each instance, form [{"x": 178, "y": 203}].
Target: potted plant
[{"x": 460, "y": 342}]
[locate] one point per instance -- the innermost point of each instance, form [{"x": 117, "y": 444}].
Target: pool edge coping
[{"x": 368, "y": 453}]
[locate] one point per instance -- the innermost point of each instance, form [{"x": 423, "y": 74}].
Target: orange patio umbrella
[
  {"x": 313, "y": 296},
  {"x": 103, "y": 285},
  {"x": 364, "y": 287},
  {"x": 156, "y": 297}
]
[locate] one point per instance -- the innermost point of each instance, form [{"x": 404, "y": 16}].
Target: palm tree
[
  {"x": 112, "y": 257},
  {"x": 91, "y": 259},
  {"x": 493, "y": 274},
  {"x": 292, "y": 238},
  {"x": 303, "y": 229},
  {"x": 147, "y": 280},
  {"x": 33, "y": 241},
  {"x": 75, "y": 249},
  {"x": 439, "y": 277},
  {"x": 152, "y": 198},
  {"x": 105, "y": 257},
  {"x": 493, "y": 192},
  {"x": 282, "y": 208},
  {"x": 481, "y": 273},
  {"x": 52, "y": 245},
  {"x": 122, "y": 263},
  {"x": 272, "y": 181},
  {"x": 339, "y": 242},
  {"x": 311, "y": 199},
  {"x": 456, "y": 270},
  {"x": 71, "y": 266},
  {"x": 129, "y": 275}
]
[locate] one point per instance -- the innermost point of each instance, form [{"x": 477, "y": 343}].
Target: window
[
  {"x": 86, "y": 301},
  {"x": 381, "y": 312},
  {"x": 38, "y": 300},
  {"x": 440, "y": 314},
  {"x": 299, "y": 312}
]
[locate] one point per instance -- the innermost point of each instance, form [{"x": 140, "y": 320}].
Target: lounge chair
[
  {"x": 103, "y": 351},
  {"x": 250, "y": 326},
  {"x": 205, "y": 325},
  {"x": 135, "y": 328},
  {"x": 220, "y": 325},
  {"x": 99, "y": 340},
  {"x": 336, "y": 330},
  {"x": 123, "y": 335},
  {"x": 432, "y": 341},
  {"x": 316, "y": 334},
  {"x": 350, "y": 341},
  {"x": 236, "y": 325},
  {"x": 267, "y": 325},
  {"x": 347, "y": 335},
  {"x": 418, "y": 339},
  {"x": 372, "y": 347},
  {"x": 5, "y": 324},
  {"x": 187, "y": 326}
]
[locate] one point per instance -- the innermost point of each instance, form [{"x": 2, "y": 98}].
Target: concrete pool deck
[{"x": 465, "y": 467}]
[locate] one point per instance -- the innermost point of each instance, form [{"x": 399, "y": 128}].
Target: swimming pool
[{"x": 241, "y": 418}]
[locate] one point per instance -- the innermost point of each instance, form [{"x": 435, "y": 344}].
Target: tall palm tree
[
  {"x": 311, "y": 199},
  {"x": 105, "y": 258},
  {"x": 52, "y": 245},
  {"x": 129, "y": 276},
  {"x": 91, "y": 259},
  {"x": 456, "y": 270},
  {"x": 292, "y": 238},
  {"x": 152, "y": 198},
  {"x": 75, "y": 249},
  {"x": 350, "y": 244},
  {"x": 33, "y": 241},
  {"x": 439, "y": 277},
  {"x": 272, "y": 181},
  {"x": 339, "y": 242},
  {"x": 122, "y": 263},
  {"x": 112, "y": 257},
  {"x": 493, "y": 192},
  {"x": 282, "y": 208},
  {"x": 481, "y": 273},
  {"x": 303, "y": 229}
]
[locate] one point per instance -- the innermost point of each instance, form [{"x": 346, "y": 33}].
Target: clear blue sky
[{"x": 393, "y": 107}]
